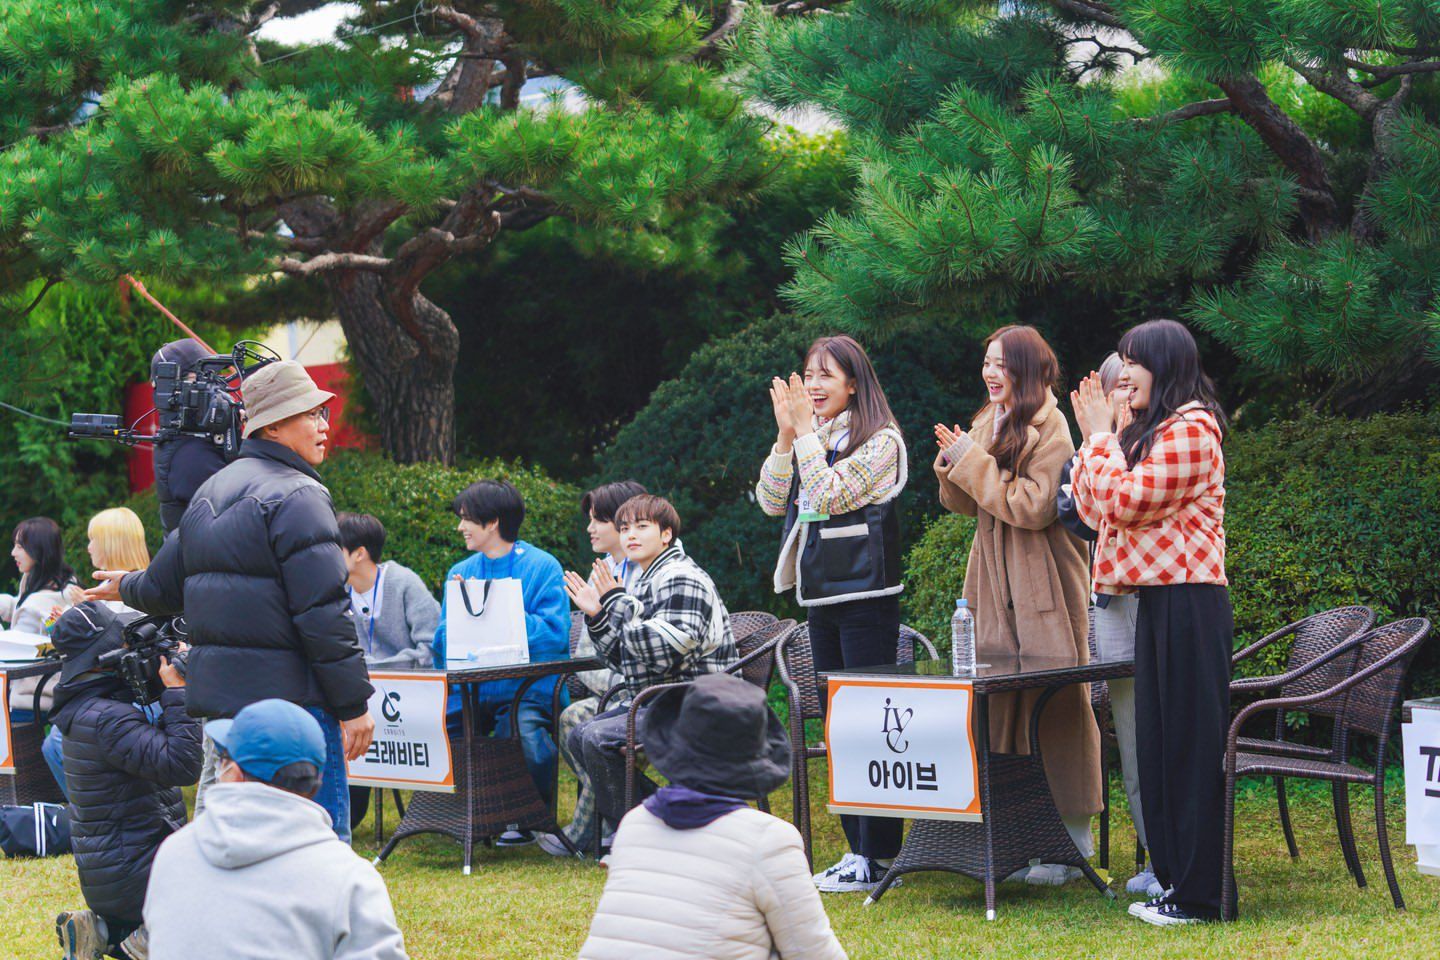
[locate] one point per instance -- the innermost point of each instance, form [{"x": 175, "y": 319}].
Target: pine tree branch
[
  {"x": 1387, "y": 71},
  {"x": 1342, "y": 88},
  {"x": 709, "y": 49},
  {"x": 1384, "y": 129},
  {"x": 1091, "y": 10},
  {"x": 333, "y": 261},
  {"x": 1291, "y": 146},
  {"x": 1200, "y": 108}
]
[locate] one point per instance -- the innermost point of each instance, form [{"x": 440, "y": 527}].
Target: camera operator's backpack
[{"x": 37, "y": 830}]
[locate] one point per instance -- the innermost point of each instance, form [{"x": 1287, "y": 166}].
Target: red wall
[{"x": 327, "y": 376}]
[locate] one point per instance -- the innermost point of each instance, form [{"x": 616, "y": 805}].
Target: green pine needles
[{"x": 1267, "y": 170}]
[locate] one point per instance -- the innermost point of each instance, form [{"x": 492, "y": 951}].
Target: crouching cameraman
[{"x": 122, "y": 775}]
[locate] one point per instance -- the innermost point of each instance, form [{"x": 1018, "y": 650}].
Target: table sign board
[
  {"x": 1422, "y": 787},
  {"x": 411, "y": 749},
  {"x": 7, "y": 752},
  {"x": 902, "y": 748}
]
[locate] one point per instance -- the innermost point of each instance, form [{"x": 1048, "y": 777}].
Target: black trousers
[
  {"x": 859, "y": 633},
  {"x": 1183, "y": 642}
]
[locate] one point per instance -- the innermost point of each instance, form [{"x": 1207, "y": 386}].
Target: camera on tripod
[
  {"x": 206, "y": 406},
  {"x": 147, "y": 640}
]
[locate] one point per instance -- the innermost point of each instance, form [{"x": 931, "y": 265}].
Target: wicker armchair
[
  {"x": 1313, "y": 638},
  {"x": 756, "y": 636},
  {"x": 802, "y": 691},
  {"x": 1362, "y": 703}
]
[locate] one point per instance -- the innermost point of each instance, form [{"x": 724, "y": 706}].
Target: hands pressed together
[
  {"x": 1094, "y": 413},
  {"x": 793, "y": 409}
]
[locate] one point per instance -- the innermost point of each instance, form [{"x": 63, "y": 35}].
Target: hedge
[
  {"x": 1320, "y": 513},
  {"x": 413, "y": 501}
]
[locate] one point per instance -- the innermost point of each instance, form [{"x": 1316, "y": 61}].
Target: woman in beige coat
[{"x": 1027, "y": 578}]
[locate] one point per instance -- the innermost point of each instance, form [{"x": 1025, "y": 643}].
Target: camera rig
[
  {"x": 147, "y": 639},
  {"x": 207, "y": 406}
]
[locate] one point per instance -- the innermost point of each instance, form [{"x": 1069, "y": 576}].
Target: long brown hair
[
  {"x": 869, "y": 410},
  {"x": 1034, "y": 372}
]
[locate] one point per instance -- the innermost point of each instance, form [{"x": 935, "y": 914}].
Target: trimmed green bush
[
  {"x": 413, "y": 501},
  {"x": 1320, "y": 513}
]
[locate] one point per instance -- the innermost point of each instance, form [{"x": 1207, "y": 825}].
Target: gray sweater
[
  {"x": 262, "y": 876},
  {"x": 405, "y": 624}
]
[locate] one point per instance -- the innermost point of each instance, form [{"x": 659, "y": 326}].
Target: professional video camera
[
  {"x": 208, "y": 406},
  {"x": 147, "y": 639}
]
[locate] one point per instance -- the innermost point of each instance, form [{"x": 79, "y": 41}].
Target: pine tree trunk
[{"x": 407, "y": 365}]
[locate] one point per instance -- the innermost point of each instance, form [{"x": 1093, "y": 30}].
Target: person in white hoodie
[
  {"x": 262, "y": 875},
  {"x": 695, "y": 873}
]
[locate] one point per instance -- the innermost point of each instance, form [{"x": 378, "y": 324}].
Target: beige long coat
[{"x": 1028, "y": 581}]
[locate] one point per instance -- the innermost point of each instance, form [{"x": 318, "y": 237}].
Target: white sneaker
[
  {"x": 515, "y": 838},
  {"x": 842, "y": 864},
  {"x": 861, "y": 876},
  {"x": 1144, "y": 882},
  {"x": 1138, "y": 908},
  {"x": 552, "y": 845},
  {"x": 1052, "y": 875}
]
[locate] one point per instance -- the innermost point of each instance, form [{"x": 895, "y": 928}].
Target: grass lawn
[{"x": 524, "y": 904}]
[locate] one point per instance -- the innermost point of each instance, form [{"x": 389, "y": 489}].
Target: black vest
[{"x": 849, "y": 556}]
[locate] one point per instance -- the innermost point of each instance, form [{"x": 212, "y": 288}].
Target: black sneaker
[
  {"x": 860, "y": 875},
  {"x": 1172, "y": 915}
]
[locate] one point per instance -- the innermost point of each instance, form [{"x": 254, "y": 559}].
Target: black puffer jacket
[
  {"x": 257, "y": 568},
  {"x": 123, "y": 776}
]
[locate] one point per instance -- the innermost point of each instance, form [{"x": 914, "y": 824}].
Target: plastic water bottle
[{"x": 962, "y": 640}]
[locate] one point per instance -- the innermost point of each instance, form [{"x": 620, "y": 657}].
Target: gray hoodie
[{"x": 262, "y": 876}]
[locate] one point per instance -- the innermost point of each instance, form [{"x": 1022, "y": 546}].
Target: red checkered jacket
[{"x": 1163, "y": 521}]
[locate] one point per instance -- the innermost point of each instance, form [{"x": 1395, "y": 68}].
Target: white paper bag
[{"x": 485, "y": 622}]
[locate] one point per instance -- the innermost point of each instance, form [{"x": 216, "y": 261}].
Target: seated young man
[
  {"x": 395, "y": 616},
  {"x": 261, "y": 873},
  {"x": 123, "y": 777},
  {"x": 491, "y": 512},
  {"x": 599, "y": 506},
  {"x": 673, "y": 627}
]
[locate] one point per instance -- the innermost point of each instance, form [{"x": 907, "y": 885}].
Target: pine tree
[
  {"x": 160, "y": 138},
  {"x": 1268, "y": 169}
]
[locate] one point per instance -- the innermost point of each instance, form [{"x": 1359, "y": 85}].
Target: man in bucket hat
[
  {"x": 695, "y": 872},
  {"x": 257, "y": 569},
  {"x": 243, "y": 879}
]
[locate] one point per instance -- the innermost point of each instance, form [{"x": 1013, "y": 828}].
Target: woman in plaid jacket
[{"x": 1153, "y": 485}]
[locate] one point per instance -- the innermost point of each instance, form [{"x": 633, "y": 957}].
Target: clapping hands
[
  {"x": 793, "y": 409},
  {"x": 586, "y": 594},
  {"x": 1094, "y": 412}
]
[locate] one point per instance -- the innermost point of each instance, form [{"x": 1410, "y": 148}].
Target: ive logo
[
  {"x": 1431, "y": 755},
  {"x": 390, "y": 707},
  {"x": 894, "y": 727}
]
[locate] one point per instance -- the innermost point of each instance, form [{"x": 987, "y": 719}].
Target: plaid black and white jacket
[{"x": 673, "y": 627}]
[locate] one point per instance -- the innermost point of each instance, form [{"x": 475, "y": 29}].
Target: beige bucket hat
[{"x": 277, "y": 391}]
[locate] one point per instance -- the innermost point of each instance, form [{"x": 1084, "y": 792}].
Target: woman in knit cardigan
[{"x": 1027, "y": 578}]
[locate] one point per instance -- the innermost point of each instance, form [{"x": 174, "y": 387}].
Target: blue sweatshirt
[{"x": 547, "y": 609}]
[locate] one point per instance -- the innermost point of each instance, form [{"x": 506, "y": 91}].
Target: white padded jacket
[{"x": 736, "y": 889}]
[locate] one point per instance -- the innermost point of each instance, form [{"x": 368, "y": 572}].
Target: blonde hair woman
[{"x": 117, "y": 542}]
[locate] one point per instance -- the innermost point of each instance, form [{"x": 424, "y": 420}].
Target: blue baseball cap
[{"x": 268, "y": 735}]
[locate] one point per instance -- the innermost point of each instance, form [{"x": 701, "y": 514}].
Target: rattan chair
[
  {"x": 1311, "y": 638},
  {"x": 802, "y": 691},
  {"x": 1362, "y": 703}
]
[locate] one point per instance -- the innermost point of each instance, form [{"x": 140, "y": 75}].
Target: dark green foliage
[
  {"x": 75, "y": 353},
  {"x": 703, "y": 436},
  {"x": 1320, "y": 513},
  {"x": 1004, "y": 158},
  {"x": 413, "y": 501},
  {"x": 586, "y": 333}
]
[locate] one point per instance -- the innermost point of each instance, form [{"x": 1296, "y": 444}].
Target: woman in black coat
[{"x": 123, "y": 775}]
